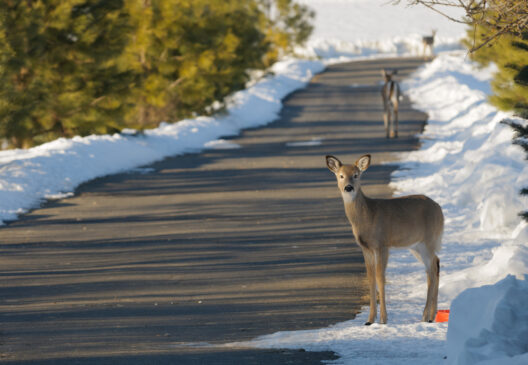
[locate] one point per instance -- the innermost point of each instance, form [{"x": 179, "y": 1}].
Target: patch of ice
[
  {"x": 221, "y": 144},
  {"x": 310, "y": 143}
]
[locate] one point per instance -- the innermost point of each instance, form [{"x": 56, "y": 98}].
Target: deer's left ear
[{"x": 363, "y": 162}]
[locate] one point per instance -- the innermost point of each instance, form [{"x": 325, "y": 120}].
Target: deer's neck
[{"x": 358, "y": 210}]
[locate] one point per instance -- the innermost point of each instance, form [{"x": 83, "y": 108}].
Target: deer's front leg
[
  {"x": 382, "y": 257},
  {"x": 395, "y": 122},
  {"x": 370, "y": 263},
  {"x": 386, "y": 120}
]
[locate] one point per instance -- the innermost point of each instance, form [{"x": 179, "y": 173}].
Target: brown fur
[
  {"x": 415, "y": 222},
  {"x": 390, "y": 95},
  {"x": 428, "y": 44}
]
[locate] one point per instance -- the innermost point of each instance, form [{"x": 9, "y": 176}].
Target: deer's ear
[
  {"x": 333, "y": 163},
  {"x": 363, "y": 162},
  {"x": 383, "y": 72}
]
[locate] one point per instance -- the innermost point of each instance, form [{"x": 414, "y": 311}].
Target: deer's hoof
[{"x": 368, "y": 323}]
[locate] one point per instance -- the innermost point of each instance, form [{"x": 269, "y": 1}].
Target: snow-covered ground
[{"x": 467, "y": 163}]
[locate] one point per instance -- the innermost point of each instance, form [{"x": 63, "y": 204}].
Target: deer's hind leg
[
  {"x": 395, "y": 120},
  {"x": 427, "y": 255},
  {"x": 386, "y": 112},
  {"x": 386, "y": 121}
]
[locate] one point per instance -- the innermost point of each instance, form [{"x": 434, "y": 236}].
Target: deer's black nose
[{"x": 349, "y": 188}]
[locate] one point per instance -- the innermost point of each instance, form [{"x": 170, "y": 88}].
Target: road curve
[{"x": 225, "y": 245}]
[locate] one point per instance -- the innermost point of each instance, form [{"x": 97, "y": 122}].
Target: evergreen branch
[
  {"x": 520, "y": 130},
  {"x": 175, "y": 83}
]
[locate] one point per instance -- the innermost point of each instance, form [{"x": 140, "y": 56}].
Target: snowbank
[{"x": 489, "y": 324}]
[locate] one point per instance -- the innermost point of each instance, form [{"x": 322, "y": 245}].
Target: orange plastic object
[{"x": 442, "y": 315}]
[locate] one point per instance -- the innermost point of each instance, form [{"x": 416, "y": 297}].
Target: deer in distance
[
  {"x": 390, "y": 95},
  {"x": 428, "y": 43},
  {"x": 415, "y": 222}
]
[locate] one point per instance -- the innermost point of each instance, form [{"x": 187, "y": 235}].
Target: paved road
[{"x": 226, "y": 245}]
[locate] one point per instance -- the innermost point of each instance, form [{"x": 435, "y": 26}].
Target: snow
[
  {"x": 313, "y": 142},
  {"x": 467, "y": 163},
  {"x": 221, "y": 144},
  {"x": 481, "y": 331}
]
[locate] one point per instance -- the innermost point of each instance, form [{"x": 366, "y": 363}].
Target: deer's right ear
[
  {"x": 363, "y": 163},
  {"x": 333, "y": 163}
]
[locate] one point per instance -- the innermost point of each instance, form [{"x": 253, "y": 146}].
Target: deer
[
  {"x": 428, "y": 43},
  {"x": 415, "y": 222},
  {"x": 390, "y": 95}
]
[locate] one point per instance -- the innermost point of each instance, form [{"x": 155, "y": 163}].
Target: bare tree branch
[{"x": 499, "y": 16}]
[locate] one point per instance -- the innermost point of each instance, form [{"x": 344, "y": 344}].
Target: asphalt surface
[{"x": 163, "y": 265}]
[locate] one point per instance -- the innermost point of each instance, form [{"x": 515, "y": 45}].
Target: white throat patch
[{"x": 348, "y": 197}]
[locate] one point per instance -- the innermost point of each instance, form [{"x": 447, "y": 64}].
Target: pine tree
[
  {"x": 192, "y": 53},
  {"x": 71, "y": 67},
  {"x": 510, "y": 83},
  {"x": 58, "y": 75},
  {"x": 287, "y": 24}
]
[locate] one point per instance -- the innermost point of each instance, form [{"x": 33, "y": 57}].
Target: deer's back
[
  {"x": 403, "y": 221},
  {"x": 428, "y": 40}
]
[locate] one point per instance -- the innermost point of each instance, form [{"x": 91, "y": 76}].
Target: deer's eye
[
  {"x": 341, "y": 177},
  {"x": 355, "y": 176}
]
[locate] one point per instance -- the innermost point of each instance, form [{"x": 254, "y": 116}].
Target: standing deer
[
  {"x": 415, "y": 222},
  {"x": 428, "y": 43},
  {"x": 390, "y": 94}
]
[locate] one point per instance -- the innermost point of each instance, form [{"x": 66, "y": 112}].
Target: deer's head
[
  {"x": 348, "y": 176},
  {"x": 387, "y": 75}
]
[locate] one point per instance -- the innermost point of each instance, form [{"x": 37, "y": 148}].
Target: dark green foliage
[
  {"x": 196, "y": 52},
  {"x": 510, "y": 82},
  {"x": 510, "y": 54},
  {"x": 59, "y": 76},
  {"x": 521, "y": 139},
  {"x": 76, "y": 67}
]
